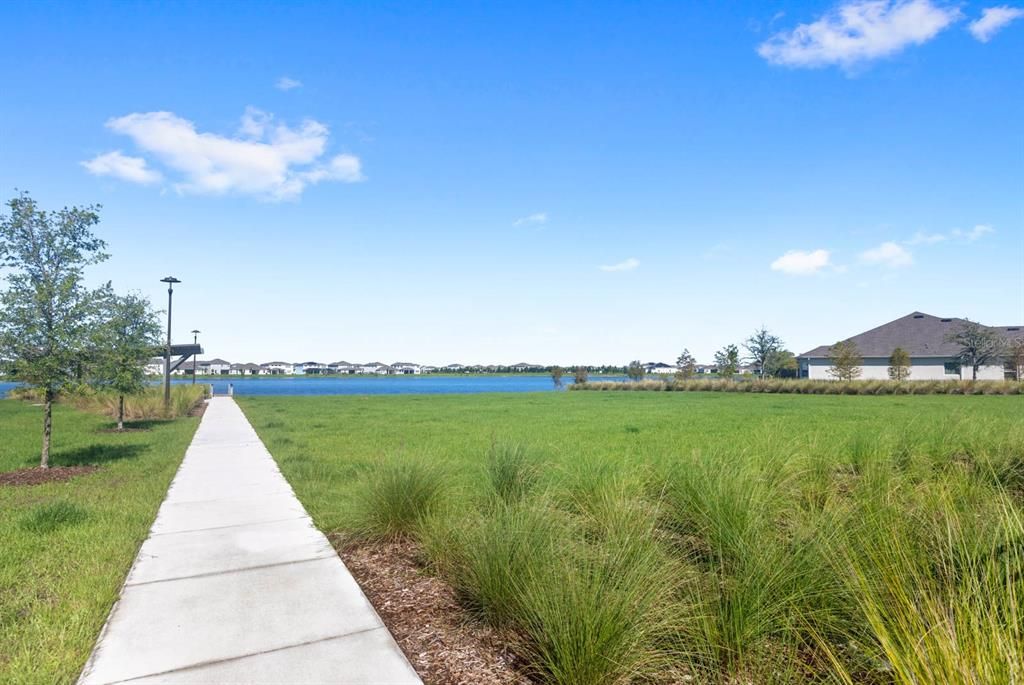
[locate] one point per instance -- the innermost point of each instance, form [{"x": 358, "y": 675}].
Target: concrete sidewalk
[{"x": 236, "y": 585}]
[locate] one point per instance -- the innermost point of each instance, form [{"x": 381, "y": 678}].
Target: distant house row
[{"x": 222, "y": 367}]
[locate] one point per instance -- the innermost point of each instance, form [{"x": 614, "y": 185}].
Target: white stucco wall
[{"x": 921, "y": 369}]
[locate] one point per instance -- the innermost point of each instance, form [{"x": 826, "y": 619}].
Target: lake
[{"x": 369, "y": 385}]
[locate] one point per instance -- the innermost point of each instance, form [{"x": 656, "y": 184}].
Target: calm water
[
  {"x": 360, "y": 385},
  {"x": 386, "y": 385}
]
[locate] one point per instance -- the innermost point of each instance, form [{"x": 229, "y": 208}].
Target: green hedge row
[{"x": 815, "y": 387}]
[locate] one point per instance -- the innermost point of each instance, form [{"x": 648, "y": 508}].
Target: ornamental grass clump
[
  {"x": 761, "y": 572},
  {"x": 398, "y": 494},
  {"x": 580, "y": 582},
  {"x": 604, "y": 614},
  {"x": 816, "y": 387},
  {"x": 486, "y": 555},
  {"x": 511, "y": 470},
  {"x": 938, "y": 584}
]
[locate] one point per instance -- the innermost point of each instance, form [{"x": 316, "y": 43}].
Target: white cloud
[
  {"x": 537, "y": 218},
  {"x": 285, "y": 83},
  {"x": 802, "y": 262},
  {"x": 627, "y": 265},
  {"x": 858, "y": 32},
  {"x": 269, "y": 160},
  {"x": 992, "y": 20},
  {"x": 973, "y": 234},
  {"x": 121, "y": 166},
  {"x": 254, "y": 123},
  {"x": 922, "y": 238},
  {"x": 888, "y": 254}
]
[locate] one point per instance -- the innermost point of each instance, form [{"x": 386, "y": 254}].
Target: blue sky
[{"x": 567, "y": 183}]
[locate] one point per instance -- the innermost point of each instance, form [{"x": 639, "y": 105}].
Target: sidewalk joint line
[
  {"x": 203, "y": 664},
  {"x": 233, "y": 525},
  {"x": 233, "y": 570}
]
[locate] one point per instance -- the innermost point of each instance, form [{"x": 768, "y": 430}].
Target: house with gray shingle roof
[{"x": 926, "y": 340}]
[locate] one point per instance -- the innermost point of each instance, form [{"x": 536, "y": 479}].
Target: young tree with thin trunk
[
  {"x": 899, "y": 364},
  {"x": 846, "y": 361},
  {"x": 46, "y": 312},
  {"x": 760, "y": 347},
  {"x": 582, "y": 375},
  {"x": 978, "y": 345},
  {"x": 128, "y": 336},
  {"x": 687, "y": 365},
  {"x": 727, "y": 360},
  {"x": 556, "y": 376},
  {"x": 635, "y": 370}
]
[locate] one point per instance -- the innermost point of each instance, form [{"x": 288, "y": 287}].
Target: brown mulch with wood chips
[
  {"x": 38, "y": 476},
  {"x": 443, "y": 643}
]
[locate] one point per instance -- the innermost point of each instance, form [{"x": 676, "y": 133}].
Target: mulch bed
[
  {"x": 443, "y": 643},
  {"x": 38, "y": 476}
]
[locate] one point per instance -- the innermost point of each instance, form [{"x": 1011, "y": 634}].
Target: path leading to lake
[{"x": 236, "y": 585}]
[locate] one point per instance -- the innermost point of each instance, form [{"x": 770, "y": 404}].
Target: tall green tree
[
  {"x": 781, "y": 363},
  {"x": 727, "y": 360},
  {"x": 687, "y": 365},
  {"x": 635, "y": 370},
  {"x": 978, "y": 345},
  {"x": 46, "y": 312},
  {"x": 556, "y": 375},
  {"x": 899, "y": 364},
  {"x": 127, "y": 337},
  {"x": 761, "y": 346},
  {"x": 846, "y": 361}
]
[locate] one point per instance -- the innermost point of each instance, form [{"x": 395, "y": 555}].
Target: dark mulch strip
[
  {"x": 443, "y": 643},
  {"x": 37, "y": 476},
  {"x": 198, "y": 410}
]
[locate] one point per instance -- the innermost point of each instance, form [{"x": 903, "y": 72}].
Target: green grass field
[
  {"x": 66, "y": 547},
  {"x": 648, "y": 536}
]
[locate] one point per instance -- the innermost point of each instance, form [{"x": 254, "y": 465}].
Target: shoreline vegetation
[
  {"x": 148, "y": 404},
  {"x": 690, "y": 537},
  {"x": 809, "y": 387}
]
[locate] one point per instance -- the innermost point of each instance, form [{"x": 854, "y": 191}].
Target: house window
[{"x": 952, "y": 368}]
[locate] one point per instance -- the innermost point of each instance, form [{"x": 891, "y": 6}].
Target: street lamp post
[
  {"x": 195, "y": 357},
  {"x": 170, "y": 281}
]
